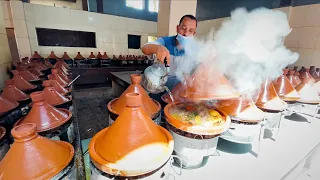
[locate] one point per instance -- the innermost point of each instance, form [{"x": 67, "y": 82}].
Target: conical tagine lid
[
  {"x": 268, "y": 98},
  {"x": 56, "y": 76},
  {"x": 65, "y": 56},
  {"x": 105, "y": 56},
  {"x": 59, "y": 88},
  {"x": 52, "y": 96},
  {"x": 36, "y": 55},
  {"x": 99, "y": 56},
  {"x": 35, "y": 70},
  {"x": 175, "y": 94},
  {"x": 114, "y": 57},
  {"x": 151, "y": 106},
  {"x": 6, "y": 105},
  {"x": 21, "y": 83},
  {"x": 79, "y": 56},
  {"x": 44, "y": 115},
  {"x": 242, "y": 108},
  {"x": 34, "y": 157},
  {"x": 208, "y": 84},
  {"x": 92, "y": 56},
  {"x": 296, "y": 76},
  {"x": 305, "y": 75},
  {"x": 308, "y": 92},
  {"x": 133, "y": 144},
  {"x": 292, "y": 78},
  {"x": 12, "y": 93},
  {"x": 28, "y": 76},
  {"x": 52, "y": 56},
  {"x": 284, "y": 88}
]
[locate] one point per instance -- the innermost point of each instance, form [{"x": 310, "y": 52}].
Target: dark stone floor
[{"x": 92, "y": 109}]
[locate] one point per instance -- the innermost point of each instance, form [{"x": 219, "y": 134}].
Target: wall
[
  {"x": 119, "y": 8},
  {"x": 305, "y": 35},
  {"x": 5, "y": 58},
  {"x": 111, "y": 31},
  {"x": 72, "y": 5}
]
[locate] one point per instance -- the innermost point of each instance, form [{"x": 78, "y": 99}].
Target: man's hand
[{"x": 163, "y": 54}]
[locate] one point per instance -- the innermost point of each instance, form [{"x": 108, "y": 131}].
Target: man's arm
[{"x": 158, "y": 49}]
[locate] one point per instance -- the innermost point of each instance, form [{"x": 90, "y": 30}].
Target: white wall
[{"x": 111, "y": 31}]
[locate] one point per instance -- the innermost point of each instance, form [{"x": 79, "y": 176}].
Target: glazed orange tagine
[
  {"x": 133, "y": 145},
  {"x": 52, "y": 96},
  {"x": 21, "y": 83},
  {"x": 56, "y": 76},
  {"x": 35, "y": 157},
  {"x": 12, "y": 93},
  {"x": 292, "y": 78},
  {"x": 284, "y": 88},
  {"x": 152, "y": 107}
]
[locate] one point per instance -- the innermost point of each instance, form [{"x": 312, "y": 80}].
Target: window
[
  {"x": 153, "y": 5},
  {"x": 65, "y": 38},
  {"x": 134, "y": 41},
  {"x": 137, "y": 4}
]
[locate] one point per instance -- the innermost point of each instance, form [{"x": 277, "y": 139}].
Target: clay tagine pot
[
  {"x": 44, "y": 115},
  {"x": 52, "y": 56},
  {"x": 134, "y": 136},
  {"x": 99, "y": 55},
  {"x": 114, "y": 57},
  {"x": 56, "y": 76},
  {"x": 292, "y": 78},
  {"x": 12, "y": 93},
  {"x": 306, "y": 75},
  {"x": 92, "y": 56},
  {"x": 36, "y": 55},
  {"x": 268, "y": 100},
  {"x": 151, "y": 106},
  {"x": 296, "y": 76},
  {"x": 28, "y": 76},
  {"x": 36, "y": 71},
  {"x": 65, "y": 56},
  {"x": 79, "y": 57},
  {"x": 309, "y": 93},
  {"x": 32, "y": 156},
  {"x": 105, "y": 56},
  {"x": 52, "y": 96},
  {"x": 21, "y": 83},
  {"x": 6, "y": 105},
  {"x": 284, "y": 88},
  {"x": 175, "y": 94},
  {"x": 241, "y": 109},
  {"x": 302, "y": 69},
  {"x": 63, "y": 91},
  {"x": 207, "y": 84},
  {"x": 62, "y": 75}
]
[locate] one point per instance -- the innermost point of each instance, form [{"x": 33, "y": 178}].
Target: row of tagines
[{"x": 35, "y": 108}]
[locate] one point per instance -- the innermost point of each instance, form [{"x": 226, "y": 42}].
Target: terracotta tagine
[
  {"x": 207, "y": 84},
  {"x": 47, "y": 63},
  {"x": 44, "y": 115},
  {"x": 52, "y": 56},
  {"x": 99, "y": 55},
  {"x": 175, "y": 94},
  {"x": 268, "y": 99},
  {"x": 284, "y": 88},
  {"x": 114, "y": 57},
  {"x": 52, "y": 96},
  {"x": 56, "y": 76},
  {"x": 21, "y": 83},
  {"x": 6, "y": 105},
  {"x": 62, "y": 63},
  {"x": 105, "y": 56},
  {"x": 36, "y": 71},
  {"x": 79, "y": 57},
  {"x": 62, "y": 75},
  {"x": 296, "y": 76},
  {"x": 32, "y": 156},
  {"x": 306, "y": 75},
  {"x": 65, "y": 56},
  {"x": 134, "y": 145},
  {"x": 63, "y": 91},
  {"x": 309, "y": 93},
  {"x": 28, "y": 76},
  {"x": 242, "y": 108},
  {"x": 152, "y": 107},
  {"x": 12, "y": 93},
  {"x": 292, "y": 78},
  {"x": 36, "y": 55},
  {"x": 92, "y": 56}
]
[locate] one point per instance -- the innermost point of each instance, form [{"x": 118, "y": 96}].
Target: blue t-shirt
[{"x": 170, "y": 43}]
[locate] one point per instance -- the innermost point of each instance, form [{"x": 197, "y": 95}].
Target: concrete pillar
[{"x": 170, "y": 12}]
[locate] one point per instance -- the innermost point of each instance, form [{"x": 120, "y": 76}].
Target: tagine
[
  {"x": 305, "y": 75},
  {"x": 28, "y": 76},
  {"x": 132, "y": 147},
  {"x": 21, "y": 83},
  {"x": 53, "y": 97},
  {"x": 292, "y": 78},
  {"x": 55, "y": 76},
  {"x": 284, "y": 88},
  {"x": 12, "y": 93}
]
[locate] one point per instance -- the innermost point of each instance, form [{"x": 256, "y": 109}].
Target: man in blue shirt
[{"x": 172, "y": 47}]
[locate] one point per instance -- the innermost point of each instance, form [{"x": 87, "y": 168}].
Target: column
[{"x": 170, "y": 12}]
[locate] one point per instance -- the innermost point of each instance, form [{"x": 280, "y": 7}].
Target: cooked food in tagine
[{"x": 196, "y": 114}]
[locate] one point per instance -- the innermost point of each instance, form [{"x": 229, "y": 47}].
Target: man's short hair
[{"x": 189, "y": 16}]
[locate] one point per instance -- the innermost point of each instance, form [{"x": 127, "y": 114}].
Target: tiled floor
[{"x": 92, "y": 109}]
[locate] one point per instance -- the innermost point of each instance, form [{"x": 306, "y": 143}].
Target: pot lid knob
[
  {"x": 133, "y": 100},
  {"x": 24, "y": 132},
  {"x": 135, "y": 78},
  {"x": 47, "y": 83},
  {"x": 37, "y": 96}
]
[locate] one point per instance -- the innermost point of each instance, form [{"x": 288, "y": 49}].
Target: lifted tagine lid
[
  {"x": 133, "y": 145},
  {"x": 151, "y": 106},
  {"x": 34, "y": 157}
]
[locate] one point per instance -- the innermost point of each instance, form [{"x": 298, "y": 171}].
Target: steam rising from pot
[{"x": 247, "y": 48}]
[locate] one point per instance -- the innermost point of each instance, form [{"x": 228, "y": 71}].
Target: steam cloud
[{"x": 248, "y": 48}]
